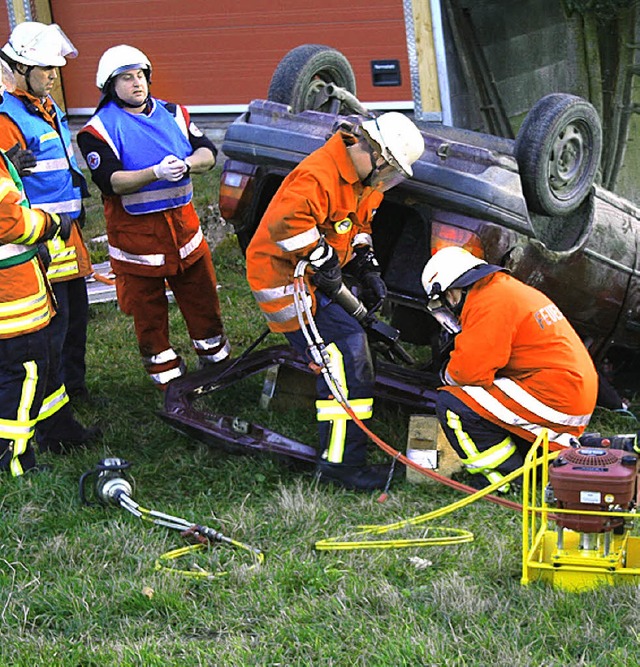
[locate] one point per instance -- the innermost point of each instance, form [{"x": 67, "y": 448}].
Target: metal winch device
[
  {"x": 109, "y": 483},
  {"x": 579, "y": 536}
]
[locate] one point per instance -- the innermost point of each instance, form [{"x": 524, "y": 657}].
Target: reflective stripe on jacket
[
  {"x": 322, "y": 196},
  {"x": 154, "y": 135},
  {"x": 519, "y": 363},
  {"x": 50, "y": 185},
  {"x": 25, "y": 301}
]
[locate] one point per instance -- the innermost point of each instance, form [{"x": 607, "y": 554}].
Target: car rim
[
  {"x": 568, "y": 159},
  {"x": 313, "y": 96}
]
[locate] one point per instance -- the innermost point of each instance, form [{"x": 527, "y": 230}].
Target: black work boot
[
  {"x": 354, "y": 478},
  {"x": 64, "y": 443}
]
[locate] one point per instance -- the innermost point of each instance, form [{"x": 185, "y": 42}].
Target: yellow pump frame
[{"x": 571, "y": 568}]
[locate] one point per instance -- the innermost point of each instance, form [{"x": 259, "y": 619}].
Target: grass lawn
[{"x": 78, "y": 585}]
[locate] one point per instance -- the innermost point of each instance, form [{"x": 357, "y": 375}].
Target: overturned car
[{"x": 531, "y": 205}]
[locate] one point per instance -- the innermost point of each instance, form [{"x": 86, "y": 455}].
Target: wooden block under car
[
  {"x": 286, "y": 388},
  {"x": 428, "y": 446}
]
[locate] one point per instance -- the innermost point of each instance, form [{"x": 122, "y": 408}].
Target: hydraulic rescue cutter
[{"x": 579, "y": 536}]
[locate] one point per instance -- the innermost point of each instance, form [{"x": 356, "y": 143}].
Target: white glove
[{"x": 170, "y": 169}]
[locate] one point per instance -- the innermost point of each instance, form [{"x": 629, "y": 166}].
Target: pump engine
[{"x": 594, "y": 479}]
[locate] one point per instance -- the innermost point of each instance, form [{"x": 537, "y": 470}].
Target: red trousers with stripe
[{"x": 144, "y": 298}]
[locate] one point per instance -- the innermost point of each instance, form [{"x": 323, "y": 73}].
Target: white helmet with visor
[
  {"x": 39, "y": 45},
  {"x": 450, "y": 268}
]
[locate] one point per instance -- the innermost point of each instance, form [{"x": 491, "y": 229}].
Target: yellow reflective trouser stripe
[
  {"x": 338, "y": 435},
  {"x": 53, "y": 403},
  {"x": 331, "y": 410},
  {"x": 485, "y": 462},
  {"x": 24, "y": 425}
]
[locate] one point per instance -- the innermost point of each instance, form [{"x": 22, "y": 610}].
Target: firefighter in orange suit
[
  {"x": 517, "y": 366},
  {"x": 34, "y": 133},
  {"x": 27, "y": 391},
  {"x": 140, "y": 151},
  {"x": 322, "y": 213}
]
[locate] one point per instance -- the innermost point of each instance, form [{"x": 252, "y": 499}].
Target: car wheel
[
  {"x": 558, "y": 150},
  {"x": 301, "y": 76}
]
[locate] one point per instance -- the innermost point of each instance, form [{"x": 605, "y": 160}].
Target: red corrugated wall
[{"x": 223, "y": 52}]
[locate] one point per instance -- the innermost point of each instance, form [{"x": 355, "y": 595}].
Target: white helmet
[
  {"x": 39, "y": 45},
  {"x": 400, "y": 141},
  {"x": 119, "y": 59},
  {"x": 453, "y": 267}
]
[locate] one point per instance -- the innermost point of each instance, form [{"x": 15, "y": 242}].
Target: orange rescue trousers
[{"x": 143, "y": 297}]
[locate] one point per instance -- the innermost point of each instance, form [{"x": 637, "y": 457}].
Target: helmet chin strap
[
  {"x": 366, "y": 181},
  {"x": 26, "y": 74}
]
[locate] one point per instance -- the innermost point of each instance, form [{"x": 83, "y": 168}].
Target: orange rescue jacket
[
  {"x": 322, "y": 196},
  {"x": 25, "y": 299},
  {"x": 519, "y": 363}
]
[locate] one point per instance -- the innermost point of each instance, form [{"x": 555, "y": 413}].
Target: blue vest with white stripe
[
  {"x": 50, "y": 185},
  {"x": 141, "y": 140}
]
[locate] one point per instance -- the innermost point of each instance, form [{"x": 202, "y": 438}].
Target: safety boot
[
  {"x": 353, "y": 478},
  {"x": 73, "y": 439}
]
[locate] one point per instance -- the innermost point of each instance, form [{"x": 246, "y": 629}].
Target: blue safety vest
[
  {"x": 50, "y": 185},
  {"x": 141, "y": 140}
]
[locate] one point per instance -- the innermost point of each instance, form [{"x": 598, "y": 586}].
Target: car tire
[
  {"x": 304, "y": 71},
  {"x": 558, "y": 151}
]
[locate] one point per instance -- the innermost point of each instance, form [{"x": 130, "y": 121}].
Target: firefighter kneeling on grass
[{"x": 517, "y": 366}]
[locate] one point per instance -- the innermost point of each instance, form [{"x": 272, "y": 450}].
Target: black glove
[
  {"x": 328, "y": 274},
  {"x": 61, "y": 226},
  {"x": 66, "y": 222},
  {"x": 365, "y": 268},
  {"x": 44, "y": 255},
  {"x": 374, "y": 291},
  {"x": 23, "y": 159}
]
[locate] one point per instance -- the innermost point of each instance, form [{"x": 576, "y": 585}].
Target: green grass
[{"x": 78, "y": 584}]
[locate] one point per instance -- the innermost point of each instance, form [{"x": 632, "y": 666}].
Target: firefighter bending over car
[
  {"x": 322, "y": 213},
  {"x": 517, "y": 366},
  {"x": 141, "y": 152}
]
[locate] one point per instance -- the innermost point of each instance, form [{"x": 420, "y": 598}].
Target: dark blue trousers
[
  {"x": 69, "y": 333},
  {"x": 337, "y": 327}
]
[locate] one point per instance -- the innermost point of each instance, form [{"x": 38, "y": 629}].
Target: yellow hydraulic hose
[{"x": 456, "y": 536}]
